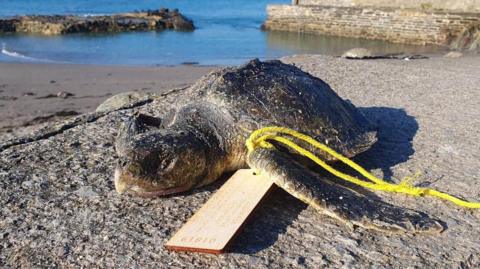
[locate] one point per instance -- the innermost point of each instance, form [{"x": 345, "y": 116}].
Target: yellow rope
[{"x": 259, "y": 139}]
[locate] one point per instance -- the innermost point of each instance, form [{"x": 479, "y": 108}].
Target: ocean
[{"x": 228, "y": 33}]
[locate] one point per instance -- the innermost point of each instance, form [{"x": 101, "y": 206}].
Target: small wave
[
  {"x": 15, "y": 54},
  {"x": 18, "y": 55},
  {"x": 94, "y": 14}
]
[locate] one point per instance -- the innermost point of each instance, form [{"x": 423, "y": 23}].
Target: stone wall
[
  {"x": 452, "y": 5},
  {"x": 395, "y": 25}
]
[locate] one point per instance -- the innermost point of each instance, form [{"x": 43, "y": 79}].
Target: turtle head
[{"x": 154, "y": 161}]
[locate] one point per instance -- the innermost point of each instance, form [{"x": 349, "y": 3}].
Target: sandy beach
[
  {"x": 28, "y": 92},
  {"x": 69, "y": 215}
]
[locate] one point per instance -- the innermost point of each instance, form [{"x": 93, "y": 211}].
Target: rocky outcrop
[
  {"x": 7, "y": 26},
  {"x": 65, "y": 24}
]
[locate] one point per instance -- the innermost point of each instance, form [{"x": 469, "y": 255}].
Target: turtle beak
[{"x": 120, "y": 185}]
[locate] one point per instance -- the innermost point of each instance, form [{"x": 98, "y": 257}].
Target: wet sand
[{"x": 28, "y": 92}]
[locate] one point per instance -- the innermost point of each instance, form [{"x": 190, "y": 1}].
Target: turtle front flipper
[{"x": 339, "y": 202}]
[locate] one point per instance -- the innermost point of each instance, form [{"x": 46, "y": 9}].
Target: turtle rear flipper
[{"x": 339, "y": 202}]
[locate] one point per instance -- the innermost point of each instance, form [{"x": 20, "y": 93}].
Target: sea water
[{"x": 228, "y": 33}]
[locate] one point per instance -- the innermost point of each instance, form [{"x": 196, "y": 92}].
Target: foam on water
[
  {"x": 14, "y": 53},
  {"x": 23, "y": 57},
  {"x": 93, "y": 14}
]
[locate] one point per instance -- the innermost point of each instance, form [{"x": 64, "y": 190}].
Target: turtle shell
[{"x": 271, "y": 93}]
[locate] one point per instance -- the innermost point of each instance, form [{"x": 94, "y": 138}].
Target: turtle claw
[
  {"x": 338, "y": 201},
  {"x": 396, "y": 220}
]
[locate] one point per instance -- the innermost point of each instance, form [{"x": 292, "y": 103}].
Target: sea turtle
[{"x": 204, "y": 136}]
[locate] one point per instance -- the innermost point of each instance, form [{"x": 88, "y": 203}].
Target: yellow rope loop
[{"x": 260, "y": 137}]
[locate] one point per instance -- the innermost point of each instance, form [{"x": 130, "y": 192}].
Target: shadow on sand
[{"x": 396, "y": 130}]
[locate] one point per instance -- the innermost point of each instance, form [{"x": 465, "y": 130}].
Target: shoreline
[
  {"x": 48, "y": 62},
  {"x": 200, "y": 65}
]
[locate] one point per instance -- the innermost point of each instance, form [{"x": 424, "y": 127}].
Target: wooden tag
[{"x": 217, "y": 222}]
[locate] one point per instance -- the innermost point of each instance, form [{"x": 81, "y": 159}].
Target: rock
[
  {"x": 190, "y": 63},
  {"x": 408, "y": 57},
  {"x": 64, "y": 95},
  {"x": 8, "y": 26},
  {"x": 453, "y": 54},
  {"x": 65, "y": 24},
  {"x": 60, "y": 94},
  {"x": 48, "y": 96},
  {"x": 180, "y": 23},
  {"x": 123, "y": 100},
  {"x": 364, "y": 54},
  {"x": 358, "y": 53}
]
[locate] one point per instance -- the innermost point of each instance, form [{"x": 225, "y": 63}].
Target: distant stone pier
[
  {"x": 435, "y": 22},
  {"x": 151, "y": 20}
]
